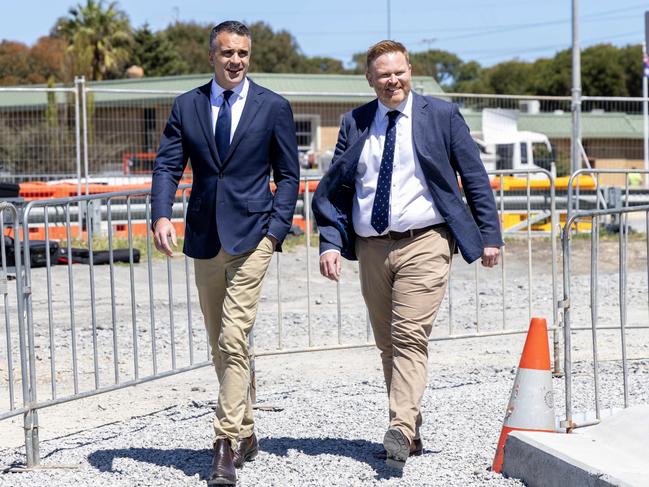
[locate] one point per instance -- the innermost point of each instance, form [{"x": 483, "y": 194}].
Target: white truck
[{"x": 503, "y": 146}]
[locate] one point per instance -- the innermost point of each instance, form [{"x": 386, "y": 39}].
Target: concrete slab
[{"x": 612, "y": 453}]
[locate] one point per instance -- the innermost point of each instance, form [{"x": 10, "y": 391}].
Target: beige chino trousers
[
  {"x": 403, "y": 283},
  {"x": 229, "y": 287}
]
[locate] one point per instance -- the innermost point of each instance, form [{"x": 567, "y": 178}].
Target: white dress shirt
[
  {"x": 411, "y": 204},
  {"x": 237, "y": 101}
]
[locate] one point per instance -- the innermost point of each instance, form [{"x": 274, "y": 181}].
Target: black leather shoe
[
  {"x": 223, "y": 471},
  {"x": 416, "y": 450},
  {"x": 397, "y": 447},
  {"x": 247, "y": 449}
]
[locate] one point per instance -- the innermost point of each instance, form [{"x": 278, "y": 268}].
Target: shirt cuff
[{"x": 329, "y": 251}]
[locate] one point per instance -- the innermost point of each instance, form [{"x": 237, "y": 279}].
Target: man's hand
[
  {"x": 490, "y": 256},
  {"x": 330, "y": 265},
  {"x": 162, "y": 233},
  {"x": 273, "y": 240}
]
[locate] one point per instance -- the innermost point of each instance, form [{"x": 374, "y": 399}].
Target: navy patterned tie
[
  {"x": 381, "y": 207},
  {"x": 223, "y": 123}
]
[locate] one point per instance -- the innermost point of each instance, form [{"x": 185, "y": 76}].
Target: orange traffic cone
[{"x": 531, "y": 405}]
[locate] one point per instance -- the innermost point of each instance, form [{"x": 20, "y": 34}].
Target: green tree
[
  {"x": 358, "y": 60},
  {"x": 444, "y": 66},
  {"x": 602, "y": 71},
  {"x": 468, "y": 78},
  {"x": 553, "y": 76},
  {"x": 156, "y": 55},
  {"x": 99, "y": 37},
  {"x": 510, "y": 78},
  {"x": 631, "y": 61},
  {"x": 191, "y": 41},
  {"x": 322, "y": 65},
  {"x": 274, "y": 52}
]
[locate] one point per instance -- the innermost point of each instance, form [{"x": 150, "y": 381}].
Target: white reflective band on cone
[{"x": 531, "y": 405}]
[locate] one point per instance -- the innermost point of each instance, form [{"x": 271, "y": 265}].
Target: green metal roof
[
  {"x": 316, "y": 87},
  {"x": 594, "y": 125},
  {"x": 333, "y": 88}
]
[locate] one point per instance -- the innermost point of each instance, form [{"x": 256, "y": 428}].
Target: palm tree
[{"x": 99, "y": 37}]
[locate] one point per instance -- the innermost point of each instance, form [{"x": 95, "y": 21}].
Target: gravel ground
[{"x": 325, "y": 412}]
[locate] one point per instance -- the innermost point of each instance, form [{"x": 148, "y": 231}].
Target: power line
[{"x": 476, "y": 31}]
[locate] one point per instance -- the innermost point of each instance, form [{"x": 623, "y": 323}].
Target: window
[
  {"x": 523, "y": 152},
  {"x": 504, "y": 156},
  {"x": 543, "y": 155},
  {"x": 151, "y": 136},
  {"x": 306, "y": 129}
]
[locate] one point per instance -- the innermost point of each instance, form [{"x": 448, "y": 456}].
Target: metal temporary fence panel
[
  {"x": 39, "y": 134},
  {"x": 616, "y": 306},
  {"x": 111, "y": 316},
  {"x": 14, "y": 369}
]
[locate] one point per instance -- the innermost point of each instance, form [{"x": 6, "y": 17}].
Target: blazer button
[{"x": 220, "y": 175}]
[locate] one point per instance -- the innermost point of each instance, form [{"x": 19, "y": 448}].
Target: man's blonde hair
[{"x": 384, "y": 47}]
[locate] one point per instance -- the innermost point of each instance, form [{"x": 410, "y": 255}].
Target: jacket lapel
[
  {"x": 363, "y": 121},
  {"x": 204, "y": 112},
  {"x": 250, "y": 109},
  {"x": 419, "y": 121}
]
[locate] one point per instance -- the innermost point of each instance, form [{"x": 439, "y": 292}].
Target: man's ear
[
  {"x": 368, "y": 77},
  {"x": 210, "y": 58}
]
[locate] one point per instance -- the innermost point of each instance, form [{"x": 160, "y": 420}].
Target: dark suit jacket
[
  {"x": 444, "y": 148},
  {"x": 231, "y": 204}
]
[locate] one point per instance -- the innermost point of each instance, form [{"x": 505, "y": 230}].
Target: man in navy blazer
[
  {"x": 235, "y": 133},
  {"x": 391, "y": 199}
]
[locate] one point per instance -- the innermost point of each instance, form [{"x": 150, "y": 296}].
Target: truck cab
[{"x": 504, "y": 147}]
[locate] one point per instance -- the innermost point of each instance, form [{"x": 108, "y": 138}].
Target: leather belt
[{"x": 409, "y": 233}]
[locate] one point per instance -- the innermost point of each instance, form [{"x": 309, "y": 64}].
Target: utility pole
[
  {"x": 575, "y": 142},
  {"x": 429, "y": 41},
  {"x": 389, "y": 27},
  {"x": 645, "y": 94}
]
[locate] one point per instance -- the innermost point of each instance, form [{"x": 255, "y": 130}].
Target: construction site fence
[
  {"x": 95, "y": 308},
  {"x": 608, "y": 305},
  {"x": 87, "y": 132}
]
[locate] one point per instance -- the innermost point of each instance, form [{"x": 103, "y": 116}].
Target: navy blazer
[
  {"x": 231, "y": 204},
  {"x": 444, "y": 149}
]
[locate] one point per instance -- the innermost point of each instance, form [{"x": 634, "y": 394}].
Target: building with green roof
[{"x": 126, "y": 118}]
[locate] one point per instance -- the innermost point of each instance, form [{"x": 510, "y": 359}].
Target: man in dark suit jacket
[
  {"x": 391, "y": 198},
  {"x": 234, "y": 132}
]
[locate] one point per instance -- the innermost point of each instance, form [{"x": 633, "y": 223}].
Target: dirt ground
[{"x": 473, "y": 305}]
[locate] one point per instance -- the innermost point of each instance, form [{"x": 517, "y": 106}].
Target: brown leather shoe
[
  {"x": 247, "y": 449},
  {"x": 223, "y": 471},
  {"x": 416, "y": 450}
]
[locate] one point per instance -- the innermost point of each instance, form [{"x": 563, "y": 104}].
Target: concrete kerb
[{"x": 607, "y": 454}]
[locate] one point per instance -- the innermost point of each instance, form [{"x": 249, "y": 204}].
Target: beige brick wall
[
  {"x": 328, "y": 137},
  {"x": 617, "y": 179}
]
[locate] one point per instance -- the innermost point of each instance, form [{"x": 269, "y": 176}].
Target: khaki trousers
[
  {"x": 403, "y": 283},
  {"x": 228, "y": 290}
]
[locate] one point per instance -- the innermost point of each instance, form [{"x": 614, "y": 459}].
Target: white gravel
[{"x": 324, "y": 413}]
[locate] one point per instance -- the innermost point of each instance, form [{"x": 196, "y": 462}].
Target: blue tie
[
  {"x": 381, "y": 207},
  {"x": 223, "y": 123}
]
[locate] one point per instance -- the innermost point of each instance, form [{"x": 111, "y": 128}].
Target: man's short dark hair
[{"x": 231, "y": 26}]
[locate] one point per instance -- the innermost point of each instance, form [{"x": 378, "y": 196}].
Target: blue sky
[{"x": 488, "y": 31}]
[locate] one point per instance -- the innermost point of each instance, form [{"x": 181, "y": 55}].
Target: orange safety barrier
[
  {"x": 120, "y": 230},
  {"x": 40, "y": 190}
]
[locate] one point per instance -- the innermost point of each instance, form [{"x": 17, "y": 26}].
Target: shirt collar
[
  {"x": 405, "y": 107},
  {"x": 240, "y": 91}
]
